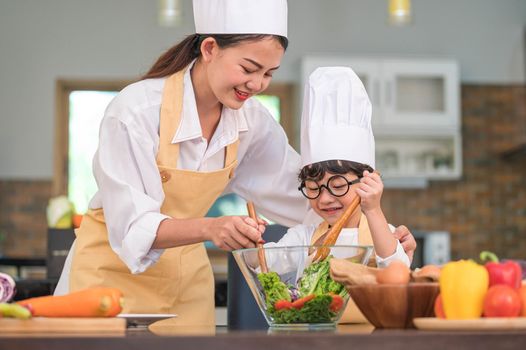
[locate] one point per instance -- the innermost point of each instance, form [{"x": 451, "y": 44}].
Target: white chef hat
[
  {"x": 241, "y": 17},
  {"x": 336, "y": 118}
]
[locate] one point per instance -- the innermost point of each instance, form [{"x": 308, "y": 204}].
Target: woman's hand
[
  {"x": 407, "y": 240},
  {"x": 370, "y": 190},
  {"x": 235, "y": 232}
]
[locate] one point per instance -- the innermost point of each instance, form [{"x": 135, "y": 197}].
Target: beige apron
[
  {"x": 181, "y": 282},
  {"x": 351, "y": 314}
]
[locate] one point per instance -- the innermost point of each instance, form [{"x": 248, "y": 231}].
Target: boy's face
[{"x": 330, "y": 207}]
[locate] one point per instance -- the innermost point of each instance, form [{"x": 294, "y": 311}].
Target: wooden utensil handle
[
  {"x": 251, "y": 211},
  {"x": 261, "y": 252},
  {"x": 335, "y": 230}
]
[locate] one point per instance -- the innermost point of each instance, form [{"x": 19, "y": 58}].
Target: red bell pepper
[{"x": 508, "y": 273}]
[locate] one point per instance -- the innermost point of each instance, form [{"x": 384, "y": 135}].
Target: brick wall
[
  {"x": 23, "y": 217},
  {"x": 485, "y": 209}
]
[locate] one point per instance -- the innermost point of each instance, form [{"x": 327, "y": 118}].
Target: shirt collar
[{"x": 232, "y": 121}]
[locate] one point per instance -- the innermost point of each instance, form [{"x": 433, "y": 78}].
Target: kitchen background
[{"x": 482, "y": 206}]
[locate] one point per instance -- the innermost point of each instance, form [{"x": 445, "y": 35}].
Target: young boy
[{"x": 337, "y": 150}]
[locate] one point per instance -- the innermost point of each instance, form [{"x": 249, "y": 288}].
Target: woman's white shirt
[{"x": 130, "y": 188}]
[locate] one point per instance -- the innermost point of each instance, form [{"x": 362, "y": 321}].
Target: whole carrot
[
  {"x": 91, "y": 302},
  {"x": 117, "y": 302}
]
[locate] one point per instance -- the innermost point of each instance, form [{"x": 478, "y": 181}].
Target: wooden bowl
[{"x": 395, "y": 306}]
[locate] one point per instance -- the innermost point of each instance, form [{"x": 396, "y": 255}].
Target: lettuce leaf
[
  {"x": 317, "y": 280},
  {"x": 273, "y": 287}
]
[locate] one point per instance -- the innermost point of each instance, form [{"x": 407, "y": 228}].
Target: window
[
  {"x": 86, "y": 109},
  {"x": 80, "y": 108}
]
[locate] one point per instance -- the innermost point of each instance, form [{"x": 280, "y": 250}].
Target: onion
[
  {"x": 294, "y": 293},
  {"x": 7, "y": 288}
]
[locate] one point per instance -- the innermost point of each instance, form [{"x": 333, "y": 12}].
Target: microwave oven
[{"x": 432, "y": 247}]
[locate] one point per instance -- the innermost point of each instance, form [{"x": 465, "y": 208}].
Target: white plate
[{"x": 144, "y": 320}]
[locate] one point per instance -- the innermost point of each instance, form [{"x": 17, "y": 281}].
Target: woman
[{"x": 169, "y": 146}]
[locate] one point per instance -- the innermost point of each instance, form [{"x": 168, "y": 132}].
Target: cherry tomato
[
  {"x": 502, "y": 301},
  {"x": 282, "y": 304},
  {"x": 336, "y": 303}
]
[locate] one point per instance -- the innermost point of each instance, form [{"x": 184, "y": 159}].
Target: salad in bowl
[{"x": 295, "y": 292}]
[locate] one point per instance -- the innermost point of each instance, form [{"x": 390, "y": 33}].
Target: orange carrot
[
  {"x": 117, "y": 302},
  {"x": 91, "y": 302}
]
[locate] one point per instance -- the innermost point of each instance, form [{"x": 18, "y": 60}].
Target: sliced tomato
[
  {"x": 282, "y": 304},
  {"x": 298, "y": 304},
  {"x": 336, "y": 303}
]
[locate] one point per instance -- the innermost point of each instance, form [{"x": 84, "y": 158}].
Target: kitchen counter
[{"x": 168, "y": 335}]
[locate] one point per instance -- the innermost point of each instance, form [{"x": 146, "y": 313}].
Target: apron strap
[
  {"x": 171, "y": 107},
  {"x": 364, "y": 234},
  {"x": 231, "y": 156},
  {"x": 320, "y": 230},
  {"x": 365, "y": 238}
]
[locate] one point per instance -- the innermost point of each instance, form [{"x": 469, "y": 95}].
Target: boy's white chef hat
[
  {"x": 336, "y": 118},
  {"x": 241, "y": 17}
]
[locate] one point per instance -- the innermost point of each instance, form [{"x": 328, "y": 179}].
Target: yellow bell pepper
[{"x": 463, "y": 286}]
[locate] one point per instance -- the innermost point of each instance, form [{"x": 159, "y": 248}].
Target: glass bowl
[{"x": 296, "y": 293}]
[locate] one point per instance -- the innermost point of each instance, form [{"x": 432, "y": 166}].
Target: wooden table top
[{"x": 169, "y": 335}]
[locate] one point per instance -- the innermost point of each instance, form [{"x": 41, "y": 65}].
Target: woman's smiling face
[{"x": 238, "y": 72}]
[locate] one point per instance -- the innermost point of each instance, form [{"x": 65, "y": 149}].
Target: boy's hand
[
  {"x": 370, "y": 191},
  {"x": 407, "y": 240}
]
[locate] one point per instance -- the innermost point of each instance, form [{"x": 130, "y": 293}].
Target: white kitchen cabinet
[
  {"x": 417, "y": 93},
  {"x": 430, "y": 155},
  {"x": 416, "y": 114}
]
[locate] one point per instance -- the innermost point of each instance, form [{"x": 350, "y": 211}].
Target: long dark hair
[
  {"x": 317, "y": 171},
  {"x": 180, "y": 55}
]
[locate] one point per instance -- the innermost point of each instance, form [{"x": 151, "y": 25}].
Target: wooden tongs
[
  {"x": 332, "y": 234},
  {"x": 261, "y": 251}
]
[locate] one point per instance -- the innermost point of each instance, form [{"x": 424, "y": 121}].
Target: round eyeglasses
[{"x": 337, "y": 185}]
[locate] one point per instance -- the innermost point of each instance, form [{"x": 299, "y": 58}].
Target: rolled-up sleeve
[
  {"x": 130, "y": 190},
  {"x": 398, "y": 255}
]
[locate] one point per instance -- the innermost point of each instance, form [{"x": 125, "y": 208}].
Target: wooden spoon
[
  {"x": 334, "y": 231},
  {"x": 261, "y": 251}
]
